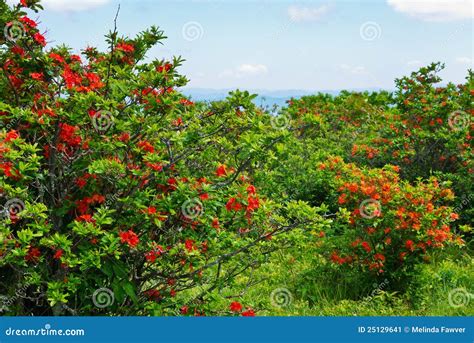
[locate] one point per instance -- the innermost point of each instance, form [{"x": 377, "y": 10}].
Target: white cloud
[
  {"x": 435, "y": 10},
  {"x": 464, "y": 60},
  {"x": 298, "y": 14},
  {"x": 73, "y": 5},
  {"x": 244, "y": 70},
  {"x": 356, "y": 70},
  {"x": 252, "y": 69}
]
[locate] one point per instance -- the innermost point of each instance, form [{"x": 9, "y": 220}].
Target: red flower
[
  {"x": 94, "y": 81},
  {"x": 11, "y": 136},
  {"x": 379, "y": 257},
  {"x": 130, "y": 238},
  {"x": 56, "y": 57},
  {"x": 58, "y": 254},
  {"x": 68, "y": 135},
  {"x": 235, "y": 306},
  {"x": 18, "y": 50},
  {"x": 164, "y": 68},
  {"x": 33, "y": 254},
  {"x": 454, "y": 216},
  {"x": 189, "y": 245},
  {"x": 153, "y": 254},
  {"x": 204, "y": 196},
  {"x": 150, "y": 210},
  {"x": 7, "y": 169},
  {"x": 23, "y": 3},
  {"x": 409, "y": 245},
  {"x": 251, "y": 189},
  {"x": 153, "y": 294},
  {"x": 215, "y": 223},
  {"x": 71, "y": 78},
  {"x": 253, "y": 203},
  {"x": 232, "y": 204},
  {"x": 178, "y": 122},
  {"x": 122, "y": 46},
  {"x": 221, "y": 171},
  {"x": 86, "y": 218},
  {"x": 97, "y": 198},
  {"x": 352, "y": 187},
  {"x": 39, "y": 38},
  {"x": 336, "y": 258},
  {"x": 184, "y": 310},
  {"x": 37, "y": 76},
  {"x": 366, "y": 246},
  {"x": 146, "y": 146},
  {"x": 124, "y": 137},
  {"x": 248, "y": 313},
  {"x": 27, "y": 21}
]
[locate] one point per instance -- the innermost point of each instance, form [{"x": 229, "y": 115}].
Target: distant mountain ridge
[{"x": 265, "y": 97}]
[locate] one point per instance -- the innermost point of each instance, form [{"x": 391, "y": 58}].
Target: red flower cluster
[
  {"x": 408, "y": 210},
  {"x": 129, "y": 237},
  {"x": 84, "y": 204},
  {"x": 33, "y": 255},
  {"x": 154, "y": 253},
  {"x": 237, "y": 307}
]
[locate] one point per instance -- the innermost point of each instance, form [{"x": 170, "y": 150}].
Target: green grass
[{"x": 308, "y": 286}]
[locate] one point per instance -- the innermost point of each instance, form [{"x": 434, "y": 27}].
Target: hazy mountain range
[{"x": 265, "y": 97}]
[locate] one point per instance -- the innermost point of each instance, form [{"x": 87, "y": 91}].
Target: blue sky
[{"x": 310, "y": 45}]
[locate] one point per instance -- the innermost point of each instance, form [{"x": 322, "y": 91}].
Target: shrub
[
  {"x": 105, "y": 208},
  {"x": 386, "y": 226}
]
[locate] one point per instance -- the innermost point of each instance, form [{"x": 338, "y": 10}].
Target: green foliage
[{"x": 120, "y": 196}]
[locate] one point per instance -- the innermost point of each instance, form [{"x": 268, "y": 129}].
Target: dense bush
[
  {"x": 384, "y": 225},
  {"x": 111, "y": 181},
  {"x": 121, "y": 196}
]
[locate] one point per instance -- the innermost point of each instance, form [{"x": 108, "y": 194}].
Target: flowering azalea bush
[
  {"x": 430, "y": 131},
  {"x": 113, "y": 196},
  {"x": 384, "y": 225},
  {"x": 121, "y": 196}
]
